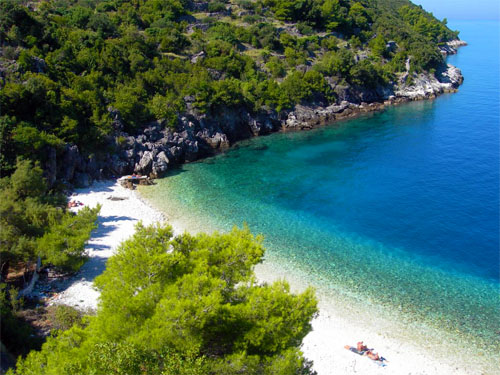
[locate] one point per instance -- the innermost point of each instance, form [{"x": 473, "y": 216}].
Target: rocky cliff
[{"x": 159, "y": 148}]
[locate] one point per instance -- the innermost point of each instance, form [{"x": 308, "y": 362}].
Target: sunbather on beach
[
  {"x": 361, "y": 347},
  {"x": 372, "y": 355}
]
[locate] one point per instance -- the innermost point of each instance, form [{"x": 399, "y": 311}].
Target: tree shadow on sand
[
  {"x": 96, "y": 263},
  {"x": 90, "y": 270},
  {"x": 104, "y": 230}
]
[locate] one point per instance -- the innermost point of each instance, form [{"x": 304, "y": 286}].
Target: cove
[{"x": 396, "y": 210}]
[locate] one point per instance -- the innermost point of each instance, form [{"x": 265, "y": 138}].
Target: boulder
[
  {"x": 50, "y": 170},
  {"x": 198, "y": 56},
  {"x": 153, "y": 131},
  {"x": 145, "y": 164},
  {"x": 117, "y": 166},
  {"x": 175, "y": 152},
  {"x": 92, "y": 168},
  {"x": 391, "y": 46},
  {"x": 190, "y": 150},
  {"x": 130, "y": 154},
  {"x": 160, "y": 165},
  {"x": 39, "y": 65}
]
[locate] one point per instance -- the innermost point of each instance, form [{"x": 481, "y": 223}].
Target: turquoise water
[{"x": 397, "y": 210}]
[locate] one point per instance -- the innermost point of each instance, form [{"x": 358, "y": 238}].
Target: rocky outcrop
[
  {"x": 159, "y": 147},
  {"x": 451, "y": 47},
  {"x": 303, "y": 117},
  {"x": 424, "y": 86},
  {"x": 160, "y": 165}
]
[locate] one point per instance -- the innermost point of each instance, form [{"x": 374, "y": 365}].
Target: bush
[
  {"x": 17, "y": 335},
  {"x": 336, "y": 63},
  {"x": 276, "y": 67},
  {"x": 330, "y": 43},
  {"x": 365, "y": 73},
  {"x": 216, "y": 6},
  {"x": 64, "y": 317}
]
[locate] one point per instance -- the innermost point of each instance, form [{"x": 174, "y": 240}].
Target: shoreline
[
  {"x": 158, "y": 149},
  {"x": 331, "y": 329},
  {"x": 411, "y": 346}
]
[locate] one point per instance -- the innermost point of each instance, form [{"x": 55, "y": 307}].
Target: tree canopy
[
  {"x": 185, "y": 304},
  {"x": 35, "y": 230}
]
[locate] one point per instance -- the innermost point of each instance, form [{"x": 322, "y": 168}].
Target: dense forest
[{"x": 83, "y": 75}]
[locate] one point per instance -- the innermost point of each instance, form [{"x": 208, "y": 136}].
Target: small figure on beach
[
  {"x": 361, "y": 347},
  {"x": 74, "y": 204},
  {"x": 363, "y": 350},
  {"x": 373, "y": 355}
]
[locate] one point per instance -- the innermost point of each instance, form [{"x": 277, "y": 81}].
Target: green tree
[
  {"x": 190, "y": 300},
  {"x": 330, "y": 11},
  {"x": 276, "y": 67},
  {"x": 377, "y": 45},
  {"x": 34, "y": 224},
  {"x": 336, "y": 63},
  {"x": 359, "y": 16}
]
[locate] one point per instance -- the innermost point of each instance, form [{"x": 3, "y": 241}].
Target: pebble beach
[{"x": 122, "y": 209}]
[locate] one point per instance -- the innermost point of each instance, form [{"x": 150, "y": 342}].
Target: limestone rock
[
  {"x": 145, "y": 164},
  {"x": 160, "y": 165}
]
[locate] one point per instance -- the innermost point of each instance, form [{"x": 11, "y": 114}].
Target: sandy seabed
[{"x": 331, "y": 330}]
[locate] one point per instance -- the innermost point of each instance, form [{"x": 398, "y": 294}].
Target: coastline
[
  {"x": 332, "y": 329},
  {"x": 411, "y": 346},
  {"x": 158, "y": 148}
]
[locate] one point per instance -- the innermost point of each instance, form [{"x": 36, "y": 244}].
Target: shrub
[{"x": 63, "y": 317}]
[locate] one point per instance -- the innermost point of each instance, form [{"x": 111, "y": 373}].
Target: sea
[{"x": 393, "y": 214}]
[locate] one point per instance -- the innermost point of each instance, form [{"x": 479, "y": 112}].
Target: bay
[{"x": 395, "y": 211}]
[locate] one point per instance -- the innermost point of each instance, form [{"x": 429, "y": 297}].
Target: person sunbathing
[
  {"x": 361, "y": 347},
  {"x": 372, "y": 355}
]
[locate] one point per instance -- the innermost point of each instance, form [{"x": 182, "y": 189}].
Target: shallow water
[{"x": 395, "y": 211}]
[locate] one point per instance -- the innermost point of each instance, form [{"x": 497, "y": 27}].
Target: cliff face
[{"x": 158, "y": 149}]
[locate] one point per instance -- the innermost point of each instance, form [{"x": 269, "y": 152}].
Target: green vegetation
[
  {"x": 189, "y": 305},
  {"x": 17, "y": 335},
  {"x": 35, "y": 230},
  {"x": 71, "y": 69},
  {"x": 64, "y": 317},
  {"x": 34, "y": 222},
  {"x": 70, "y": 66}
]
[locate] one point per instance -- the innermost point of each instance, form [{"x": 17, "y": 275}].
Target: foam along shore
[{"x": 123, "y": 208}]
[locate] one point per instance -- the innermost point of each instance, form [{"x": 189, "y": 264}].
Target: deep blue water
[{"x": 401, "y": 205}]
